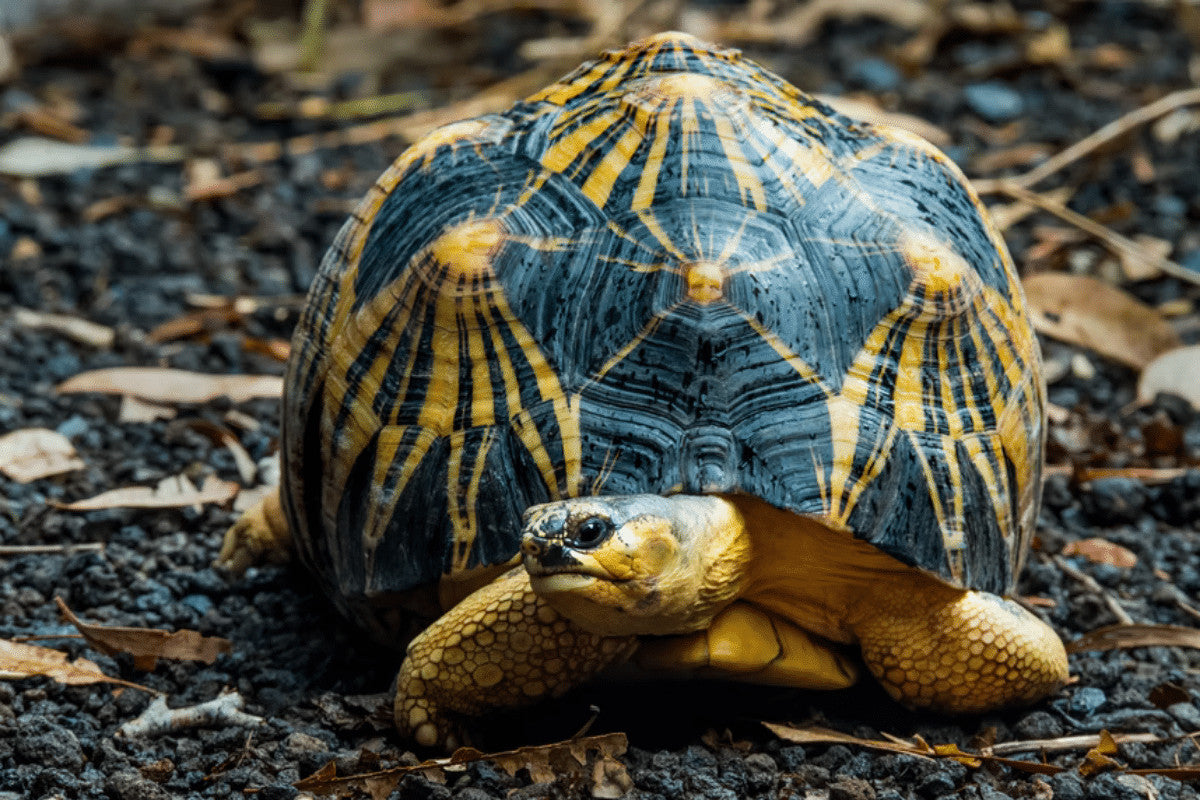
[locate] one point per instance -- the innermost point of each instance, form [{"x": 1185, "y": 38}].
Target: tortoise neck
[{"x": 824, "y": 579}]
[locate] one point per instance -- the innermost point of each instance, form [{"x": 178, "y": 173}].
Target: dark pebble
[
  {"x": 1112, "y": 786},
  {"x": 48, "y": 745},
  {"x": 1111, "y": 501},
  {"x": 1086, "y": 699},
  {"x": 851, "y": 789},
  {"x": 874, "y": 75},
  {"x": 995, "y": 102},
  {"x": 128, "y": 784},
  {"x": 1067, "y": 786}
]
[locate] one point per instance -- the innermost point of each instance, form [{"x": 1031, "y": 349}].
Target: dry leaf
[
  {"x": 147, "y": 645},
  {"x": 34, "y": 157},
  {"x": 544, "y": 762},
  {"x": 19, "y": 660},
  {"x": 160, "y": 384},
  {"x": 1125, "y": 637},
  {"x": 174, "y": 492},
  {"x": 76, "y": 328},
  {"x": 135, "y": 410},
  {"x": 1087, "y": 312},
  {"x": 1101, "y": 551},
  {"x": 1100, "y": 758},
  {"x": 1174, "y": 372},
  {"x": 32, "y": 453}
]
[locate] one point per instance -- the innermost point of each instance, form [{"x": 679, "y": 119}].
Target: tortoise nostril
[{"x": 531, "y": 546}]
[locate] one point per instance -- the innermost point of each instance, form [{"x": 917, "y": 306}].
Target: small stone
[
  {"x": 1186, "y": 715},
  {"x": 875, "y": 75},
  {"x": 995, "y": 102},
  {"x": 851, "y": 789},
  {"x": 1067, "y": 786},
  {"x": 128, "y": 784},
  {"x": 1086, "y": 700}
]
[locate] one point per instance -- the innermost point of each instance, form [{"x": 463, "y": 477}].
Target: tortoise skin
[{"x": 671, "y": 271}]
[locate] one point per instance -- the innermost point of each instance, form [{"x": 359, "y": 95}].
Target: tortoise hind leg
[
  {"x": 959, "y": 651},
  {"x": 501, "y": 647},
  {"x": 260, "y": 535}
]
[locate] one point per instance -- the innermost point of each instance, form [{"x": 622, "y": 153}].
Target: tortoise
[{"x": 669, "y": 364}]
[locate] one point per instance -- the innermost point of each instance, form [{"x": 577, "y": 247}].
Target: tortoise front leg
[
  {"x": 260, "y": 535},
  {"x": 959, "y": 651},
  {"x": 501, "y": 647}
]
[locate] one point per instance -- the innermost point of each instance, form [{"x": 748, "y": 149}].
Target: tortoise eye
[{"x": 591, "y": 532}]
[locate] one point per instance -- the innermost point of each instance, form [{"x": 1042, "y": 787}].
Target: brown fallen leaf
[
  {"x": 164, "y": 385},
  {"x": 1101, "y": 551},
  {"x": 1100, "y": 758},
  {"x": 174, "y": 492},
  {"x": 147, "y": 645},
  {"x": 19, "y": 660},
  {"x": 32, "y": 453},
  {"x": 1125, "y": 637},
  {"x": 1088, "y": 312},
  {"x": 544, "y": 762},
  {"x": 1174, "y": 372}
]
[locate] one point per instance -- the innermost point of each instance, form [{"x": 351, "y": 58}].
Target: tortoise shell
[{"x": 671, "y": 271}]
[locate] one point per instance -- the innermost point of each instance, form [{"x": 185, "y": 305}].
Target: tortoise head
[{"x": 636, "y": 564}]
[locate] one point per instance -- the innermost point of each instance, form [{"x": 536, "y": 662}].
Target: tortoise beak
[{"x": 546, "y": 556}]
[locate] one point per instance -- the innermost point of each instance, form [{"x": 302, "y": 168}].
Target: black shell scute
[{"x": 669, "y": 272}]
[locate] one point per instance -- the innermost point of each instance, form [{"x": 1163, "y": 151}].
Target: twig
[
  {"x": 1065, "y": 743},
  {"x": 1115, "y": 129},
  {"x": 1092, "y": 586},
  {"x": 158, "y": 719},
  {"x": 47, "y": 549},
  {"x": 1121, "y": 246}
]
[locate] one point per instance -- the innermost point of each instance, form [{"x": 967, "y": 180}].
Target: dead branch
[{"x": 157, "y": 719}]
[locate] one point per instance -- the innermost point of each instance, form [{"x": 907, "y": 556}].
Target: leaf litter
[
  {"x": 30, "y": 454},
  {"x": 147, "y": 645},
  {"x": 543, "y": 762}
]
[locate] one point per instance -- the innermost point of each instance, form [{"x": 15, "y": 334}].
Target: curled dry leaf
[
  {"x": 1084, "y": 311},
  {"x": 174, "y": 492},
  {"x": 163, "y": 385},
  {"x": 18, "y": 660},
  {"x": 1173, "y": 372},
  {"x": 1101, "y": 551},
  {"x": 32, "y": 453},
  {"x": 147, "y": 645}
]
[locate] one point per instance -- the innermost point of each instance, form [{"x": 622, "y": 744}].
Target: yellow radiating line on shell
[
  {"x": 908, "y": 393},
  {"x": 656, "y": 230},
  {"x": 563, "y": 152},
  {"x": 949, "y": 406},
  {"x": 793, "y": 360},
  {"x": 441, "y": 393},
  {"x": 548, "y": 389},
  {"x": 648, "y": 182},
  {"x": 381, "y": 508},
  {"x": 689, "y": 127},
  {"x": 747, "y": 178},
  {"x": 483, "y": 401},
  {"x": 965, "y": 376},
  {"x": 599, "y": 184},
  {"x": 465, "y": 514}
]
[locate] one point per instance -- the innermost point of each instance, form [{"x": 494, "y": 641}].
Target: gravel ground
[{"x": 133, "y": 264}]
